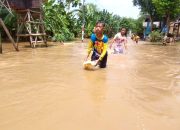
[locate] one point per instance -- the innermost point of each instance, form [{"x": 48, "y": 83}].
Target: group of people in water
[{"x": 98, "y": 44}]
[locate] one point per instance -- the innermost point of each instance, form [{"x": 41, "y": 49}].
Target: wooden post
[
  {"x": 44, "y": 38},
  {"x": 9, "y": 35},
  {"x": 33, "y": 27},
  {"x": 0, "y": 44},
  {"x": 178, "y": 29}
]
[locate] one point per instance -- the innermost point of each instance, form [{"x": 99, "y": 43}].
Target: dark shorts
[{"x": 103, "y": 62}]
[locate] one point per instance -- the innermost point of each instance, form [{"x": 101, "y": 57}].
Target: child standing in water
[
  {"x": 98, "y": 44},
  {"x": 119, "y": 41},
  {"x": 135, "y": 38}
]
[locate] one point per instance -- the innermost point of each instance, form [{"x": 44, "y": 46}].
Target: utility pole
[{"x": 83, "y": 23}]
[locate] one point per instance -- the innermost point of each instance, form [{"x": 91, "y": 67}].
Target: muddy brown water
[{"x": 47, "y": 89}]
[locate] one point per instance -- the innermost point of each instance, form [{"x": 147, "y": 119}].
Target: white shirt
[{"x": 119, "y": 39}]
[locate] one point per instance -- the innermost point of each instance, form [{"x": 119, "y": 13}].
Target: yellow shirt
[{"x": 98, "y": 45}]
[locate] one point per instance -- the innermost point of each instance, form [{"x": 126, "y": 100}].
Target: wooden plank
[
  {"x": 30, "y": 22},
  {"x": 37, "y": 12},
  {"x": 37, "y": 41},
  {"x": 27, "y": 35},
  {"x": 26, "y": 10},
  {"x": 9, "y": 35}
]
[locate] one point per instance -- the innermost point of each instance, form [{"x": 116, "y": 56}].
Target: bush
[
  {"x": 57, "y": 21},
  {"x": 155, "y": 36}
]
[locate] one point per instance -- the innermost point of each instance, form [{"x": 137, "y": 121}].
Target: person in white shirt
[{"x": 119, "y": 43}]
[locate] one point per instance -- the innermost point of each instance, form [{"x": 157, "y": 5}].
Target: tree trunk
[
  {"x": 151, "y": 20},
  {"x": 168, "y": 20}
]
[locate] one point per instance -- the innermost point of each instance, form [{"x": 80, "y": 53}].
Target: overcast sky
[{"x": 124, "y": 8}]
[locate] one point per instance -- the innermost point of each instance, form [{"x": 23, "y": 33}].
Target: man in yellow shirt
[{"x": 98, "y": 44}]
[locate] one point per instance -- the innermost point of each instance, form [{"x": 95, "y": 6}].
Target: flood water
[{"x": 47, "y": 89}]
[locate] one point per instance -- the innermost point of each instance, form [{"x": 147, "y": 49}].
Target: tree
[
  {"x": 63, "y": 24},
  {"x": 169, "y": 8},
  {"x": 110, "y": 22},
  {"x": 58, "y": 25},
  {"x": 147, "y": 6},
  {"x": 70, "y": 3},
  {"x": 91, "y": 16},
  {"x": 113, "y": 22}
]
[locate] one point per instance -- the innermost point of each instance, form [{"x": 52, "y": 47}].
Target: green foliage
[
  {"x": 63, "y": 23},
  {"x": 91, "y": 16},
  {"x": 9, "y": 21},
  {"x": 155, "y": 36},
  {"x": 146, "y": 6},
  {"x": 137, "y": 26},
  {"x": 157, "y": 9},
  {"x": 168, "y": 8},
  {"x": 68, "y": 3},
  {"x": 57, "y": 21},
  {"x": 113, "y": 22}
]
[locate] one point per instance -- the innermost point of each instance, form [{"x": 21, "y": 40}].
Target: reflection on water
[{"x": 46, "y": 88}]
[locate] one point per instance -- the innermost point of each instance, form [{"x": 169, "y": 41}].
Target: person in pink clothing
[{"x": 119, "y": 43}]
